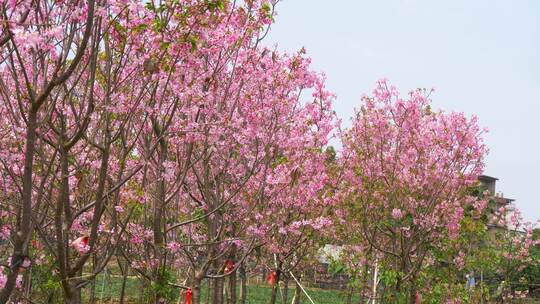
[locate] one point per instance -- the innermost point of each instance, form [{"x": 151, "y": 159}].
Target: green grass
[
  {"x": 108, "y": 291},
  {"x": 108, "y": 288},
  {"x": 261, "y": 294}
]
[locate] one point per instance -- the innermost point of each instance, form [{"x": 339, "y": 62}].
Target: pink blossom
[
  {"x": 119, "y": 208},
  {"x": 459, "y": 260},
  {"x": 3, "y": 278},
  {"x": 397, "y": 214},
  {"x": 173, "y": 246}
]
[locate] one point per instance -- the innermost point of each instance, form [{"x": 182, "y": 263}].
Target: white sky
[{"x": 482, "y": 56}]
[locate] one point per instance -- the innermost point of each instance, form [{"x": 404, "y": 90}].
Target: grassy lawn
[
  {"x": 108, "y": 291},
  {"x": 261, "y": 294}
]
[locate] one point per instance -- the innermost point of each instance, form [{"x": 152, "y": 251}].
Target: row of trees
[
  {"x": 142, "y": 131},
  {"x": 492, "y": 258},
  {"x": 162, "y": 136},
  {"x": 415, "y": 220}
]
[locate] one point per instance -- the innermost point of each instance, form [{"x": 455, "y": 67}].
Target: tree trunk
[
  {"x": 159, "y": 238},
  {"x": 298, "y": 292},
  {"x": 349, "y": 295},
  {"x": 196, "y": 291},
  {"x": 218, "y": 291},
  {"x": 243, "y": 285},
  {"x": 124, "y": 280},
  {"x": 232, "y": 288},
  {"x": 73, "y": 296},
  {"x": 158, "y": 203},
  {"x": 93, "y": 284},
  {"x": 263, "y": 275},
  {"x": 275, "y": 288},
  {"x": 274, "y": 294},
  {"x": 27, "y": 284},
  {"x": 20, "y": 246},
  {"x": 285, "y": 289},
  {"x": 226, "y": 292},
  {"x": 413, "y": 299}
]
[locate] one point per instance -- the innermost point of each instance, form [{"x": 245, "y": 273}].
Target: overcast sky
[{"x": 482, "y": 57}]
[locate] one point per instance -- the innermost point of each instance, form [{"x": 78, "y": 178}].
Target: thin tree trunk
[
  {"x": 158, "y": 203},
  {"x": 232, "y": 288},
  {"x": 413, "y": 299},
  {"x": 74, "y": 296},
  {"x": 20, "y": 246},
  {"x": 93, "y": 284},
  {"x": 218, "y": 291},
  {"x": 274, "y": 294},
  {"x": 63, "y": 214},
  {"x": 243, "y": 284},
  {"x": 125, "y": 272},
  {"x": 226, "y": 292},
  {"x": 196, "y": 291},
  {"x": 263, "y": 275},
  {"x": 285, "y": 289},
  {"x": 298, "y": 293},
  {"x": 349, "y": 295},
  {"x": 158, "y": 237},
  {"x": 275, "y": 289},
  {"x": 27, "y": 279}
]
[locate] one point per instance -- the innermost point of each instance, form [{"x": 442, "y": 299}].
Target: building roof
[
  {"x": 504, "y": 199},
  {"x": 487, "y": 178}
]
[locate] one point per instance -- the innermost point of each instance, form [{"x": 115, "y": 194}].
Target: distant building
[{"x": 490, "y": 183}]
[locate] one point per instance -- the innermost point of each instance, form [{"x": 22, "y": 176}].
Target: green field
[{"x": 109, "y": 291}]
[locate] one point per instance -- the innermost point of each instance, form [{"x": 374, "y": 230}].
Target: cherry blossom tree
[
  {"x": 407, "y": 171},
  {"x": 40, "y": 53},
  {"x": 237, "y": 147},
  {"x": 74, "y": 77},
  {"x": 293, "y": 218}
]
